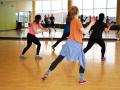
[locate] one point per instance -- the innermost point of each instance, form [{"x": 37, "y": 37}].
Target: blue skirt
[{"x": 73, "y": 51}]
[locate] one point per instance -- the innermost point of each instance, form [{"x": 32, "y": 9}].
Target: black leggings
[
  {"x": 64, "y": 36},
  {"x": 31, "y": 38},
  {"x": 92, "y": 41},
  {"x": 58, "y": 60}
]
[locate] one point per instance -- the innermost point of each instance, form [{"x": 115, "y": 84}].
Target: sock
[
  {"x": 81, "y": 76},
  {"x": 48, "y": 72},
  {"x": 22, "y": 55}
]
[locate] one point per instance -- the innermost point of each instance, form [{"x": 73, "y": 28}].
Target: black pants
[
  {"x": 64, "y": 36},
  {"x": 92, "y": 41},
  {"x": 52, "y": 24},
  {"x": 58, "y": 60},
  {"x": 31, "y": 38}
]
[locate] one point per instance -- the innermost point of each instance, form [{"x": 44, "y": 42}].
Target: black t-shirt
[
  {"x": 98, "y": 28},
  {"x": 52, "y": 19}
]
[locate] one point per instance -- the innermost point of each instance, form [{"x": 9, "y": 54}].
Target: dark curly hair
[{"x": 37, "y": 18}]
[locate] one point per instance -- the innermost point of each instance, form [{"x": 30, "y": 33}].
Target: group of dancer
[
  {"x": 74, "y": 31},
  {"x": 49, "y": 21}
]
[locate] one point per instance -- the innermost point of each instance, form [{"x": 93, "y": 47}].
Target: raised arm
[
  {"x": 108, "y": 28},
  {"x": 36, "y": 28},
  {"x": 43, "y": 29},
  {"x": 87, "y": 29}
]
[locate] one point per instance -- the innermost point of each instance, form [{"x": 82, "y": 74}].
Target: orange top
[{"x": 75, "y": 31}]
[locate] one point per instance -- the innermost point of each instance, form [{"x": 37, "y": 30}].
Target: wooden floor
[{"x": 16, "y": 74}]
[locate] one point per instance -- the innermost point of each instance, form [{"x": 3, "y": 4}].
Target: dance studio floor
[{"x": 16, "y": 74}]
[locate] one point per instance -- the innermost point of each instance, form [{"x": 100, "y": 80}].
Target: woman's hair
[
  {"x": 73, "y": 11},
  {"x": 68, "y": 19},
  {"x": 37, "y": 18},
  {"x": 101, "y": 17}
]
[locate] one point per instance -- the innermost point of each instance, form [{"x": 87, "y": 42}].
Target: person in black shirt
[
  {"x": 52, "y": 19},
  {"x": 96, "y": 35},
  {"x": 46, "y": 21}
]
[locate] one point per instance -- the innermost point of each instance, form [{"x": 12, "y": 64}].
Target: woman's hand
[
  {"x": 93, "y": 20},
  {"x": 46, "y": 29}
]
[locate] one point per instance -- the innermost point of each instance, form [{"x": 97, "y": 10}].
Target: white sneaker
[{"x": 22, "y": 57}]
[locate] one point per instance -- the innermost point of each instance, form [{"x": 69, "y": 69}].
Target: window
[
  {"x": 88, "y": 4},
  {"x": 111, "y": 12},
  {"x": 88, "y": 12},
  {"x": 65, "y": 5},
  {"x": 112, "y": 4},
  {"x": 98, "y": 11},
  {"x": 59, "y": 8},
  {"x": 46, "y": 6},
  {"x": 78, "y": 3},
  {"x": 56, "y": 5},
  {"x": 94, "y": 7},
  {"x": 99, "y": 3},
  {"x": 38, "y": 6}
]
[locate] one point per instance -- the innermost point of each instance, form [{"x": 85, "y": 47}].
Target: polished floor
[{"x": 16, "y": 74}]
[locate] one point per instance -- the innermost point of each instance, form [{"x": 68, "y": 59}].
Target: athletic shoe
[
  {"x": 82, "y": 81},
  {"x": 22, "y": 57},
  {"x": 44, "y": 77},
  {"x": 103, "y": 58}
]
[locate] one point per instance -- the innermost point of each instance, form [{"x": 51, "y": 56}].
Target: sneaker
[
  {"x": 38, "y": 57},
  {"x": 82, "y": 81},
  {"x": 44, "y": 77},
  {"x": 103, "y": 58},
  {"x": 22, "y": 57}
]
